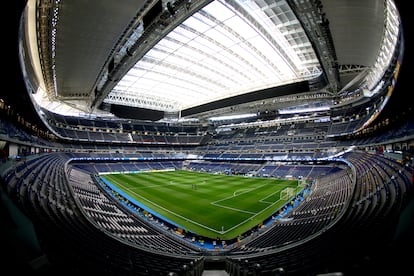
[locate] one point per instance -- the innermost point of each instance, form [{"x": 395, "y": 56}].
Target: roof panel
[
  {"x": 357, "y": 29},
  {"x": 227, "y": 52},
  {"x": 87, "y": 31}
]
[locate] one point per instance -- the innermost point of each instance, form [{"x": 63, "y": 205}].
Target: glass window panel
[
  {"x": 218, "y": 36},
  {"x": 196, "y": 23},
  {"x": 185, "y": 69},
  {"x": 169, "y": 44},
  {"x": 122, "y": 87},
  {"x": 128, "y": 79},
  {"x": 177, "y": 36},
  {"x": 241, "y": 28},
  {"x": 184, "y": 32},
  {"x": 178, "y": 61},
  {"x": 248, "y": 55},
  {"x": 145, "y": 64},
  {"x": 204, "y": 45},
  {"x": 157, "y": 54},
  {"x": 136, "y": 72},
  {"x": 228, "y": 70},
  {"x": 220, "y": 11},
  {"x": 189, "y": 53},
  {"x": 231, "y": 60}
]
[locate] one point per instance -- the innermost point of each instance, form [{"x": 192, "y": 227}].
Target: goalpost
[
  {"x": 302, "y": 182},
  {"x": 287, "y": 193}
]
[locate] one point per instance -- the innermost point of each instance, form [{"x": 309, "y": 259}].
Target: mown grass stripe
[{"x": 234, "y": 203}]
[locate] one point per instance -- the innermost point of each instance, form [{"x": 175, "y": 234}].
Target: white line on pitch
[{"x": 169, "y": 211}]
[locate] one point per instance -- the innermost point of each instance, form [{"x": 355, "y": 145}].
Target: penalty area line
[{"x": 169, "y": 211}]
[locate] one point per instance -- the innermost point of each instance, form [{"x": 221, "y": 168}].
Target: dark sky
[{"x": 401, "y": 99}]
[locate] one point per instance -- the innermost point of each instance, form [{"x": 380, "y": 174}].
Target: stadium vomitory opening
[{"x": 199, "y": 138}]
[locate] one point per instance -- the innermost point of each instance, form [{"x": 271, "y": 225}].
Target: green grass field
[{"x": 220, "y": 205}]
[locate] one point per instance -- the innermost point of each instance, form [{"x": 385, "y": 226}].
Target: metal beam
[
  {"x": 310, "y": 14},
  {"x": 166, "y": 21}
]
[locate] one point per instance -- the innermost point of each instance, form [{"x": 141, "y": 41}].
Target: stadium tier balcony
[{"x": 358, "y": 200}]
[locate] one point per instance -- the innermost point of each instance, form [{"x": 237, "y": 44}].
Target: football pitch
[{"x": 210, "y": 205}]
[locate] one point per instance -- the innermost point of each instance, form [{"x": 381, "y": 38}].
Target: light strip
[
  {"x": 233, "y": 117},
  {"x": 304, "y": 110}
]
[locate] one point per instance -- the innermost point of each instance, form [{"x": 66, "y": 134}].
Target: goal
[{"x": 287, "y": 193}]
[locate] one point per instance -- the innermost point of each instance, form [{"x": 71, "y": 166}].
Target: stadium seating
[
  {"x": 316, "y": 128},
  {"x": 356, "y": 201}
]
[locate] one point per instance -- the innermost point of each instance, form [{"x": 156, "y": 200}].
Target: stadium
[{"x": 200, "y": 137}]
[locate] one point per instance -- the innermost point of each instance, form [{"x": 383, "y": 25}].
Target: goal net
[
  {"x": 287, "y": 193},
  {"x": 302, "y": 182}
]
